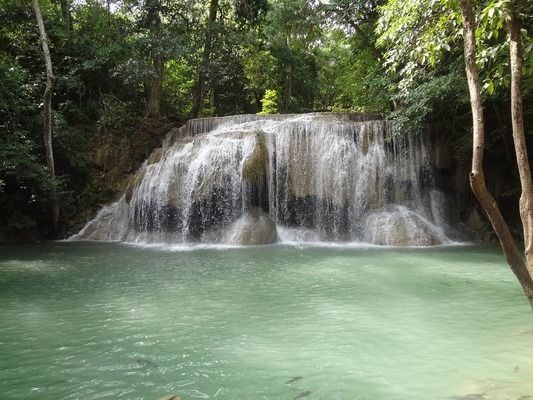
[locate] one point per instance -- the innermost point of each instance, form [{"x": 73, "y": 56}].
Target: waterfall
[{"x": 258, "y": 179}]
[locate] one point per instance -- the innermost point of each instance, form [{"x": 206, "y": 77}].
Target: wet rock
[
  {"x": 155, "y": 157},
  {"x": 254, "y": 227},
  {"x": 256, "y": 165},
  {"x": 399, "y": 226},
  {"x": 107, "y": 225},
  {"x": 255, "y": 174}
]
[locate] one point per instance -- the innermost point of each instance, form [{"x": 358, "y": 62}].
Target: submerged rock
[
  {"x": 293, "y": 379},
  {"x": 303, "y": 394},
  {"x": 171, "y": 397}
]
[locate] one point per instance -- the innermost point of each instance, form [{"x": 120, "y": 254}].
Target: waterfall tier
[{"x": 256, "y": 179}]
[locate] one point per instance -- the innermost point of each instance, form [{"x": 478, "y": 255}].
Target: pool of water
[{"x": 110, "y": 321}]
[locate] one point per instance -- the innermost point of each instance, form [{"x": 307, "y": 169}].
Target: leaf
[{"x": 490, "y": 89}]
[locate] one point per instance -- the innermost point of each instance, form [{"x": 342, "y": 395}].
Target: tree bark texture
[
  {"x": 47, "y": 111},
  {"x": 477, "y": 178},
  {"x": 153, "y": 107},
  {"x": 519, "y": 138},
  {"x": 199, "y": 89}
]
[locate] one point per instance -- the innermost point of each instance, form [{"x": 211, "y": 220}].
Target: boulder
[
  {"x": 253, "y": 228},
  {"x": 399, "y": 226}
]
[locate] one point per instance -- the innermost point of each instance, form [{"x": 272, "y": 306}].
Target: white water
[{"x": 320, "y": 177}]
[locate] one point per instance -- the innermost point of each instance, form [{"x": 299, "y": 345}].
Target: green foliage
[
  {"x": 269, "y": 102},
  {"x": 350, "y": 76},
  {"x": 279, "y": 56},
  {"x": 178, "y": 84},
  {"x": 428, "y": 102},
  {"x": 420, "y": 36},
  {"x": 416, "y": 35},
  {"x": 24, "y": 181}
]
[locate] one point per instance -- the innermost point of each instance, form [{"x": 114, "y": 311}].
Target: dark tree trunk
[
  {"x": 47, "y": 112},
  {"x": 155, "y": 82},
  {"x": 199, "y": 89},
  {"x": 477, "y": 178}
]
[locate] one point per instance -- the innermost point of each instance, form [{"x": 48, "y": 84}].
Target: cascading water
[{"x": 257, "y": 179}]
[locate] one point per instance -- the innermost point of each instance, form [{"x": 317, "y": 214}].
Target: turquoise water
[{"x": 111, "y": 321}]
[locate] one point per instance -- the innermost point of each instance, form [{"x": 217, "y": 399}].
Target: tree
[
  {"x": 360, "y": 17},
  {"x": 47, "y": 111},
  {"x": 516, "y": 261},
  {"x": 517, "y": 116},
  {"x": 422, "y": 40},
  {"x": 269, "y": 102},
  {"x": 155, "y": 87}
]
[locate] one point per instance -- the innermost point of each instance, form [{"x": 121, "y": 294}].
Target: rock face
[{"x": 233, "y": 179}]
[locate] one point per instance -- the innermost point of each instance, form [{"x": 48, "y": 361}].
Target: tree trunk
[
  {"x": 199, "y": 89},
  {"x": 477, "y": 179},
  {"x": 47, "y": 112},
  {"x": 288, "y": 76},
  {"x": 153, "y": 108},
  {"x": 155, "y": 83},
  {"x": 519, "y": 138}
]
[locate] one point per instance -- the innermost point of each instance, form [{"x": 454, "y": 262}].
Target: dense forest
[{"x": 126, "y": 72}]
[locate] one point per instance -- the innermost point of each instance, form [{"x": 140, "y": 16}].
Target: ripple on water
[{"x": 239, "y": 323}]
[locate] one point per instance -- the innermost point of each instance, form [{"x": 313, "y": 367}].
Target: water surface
[{"x": 110, "y": 321}]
